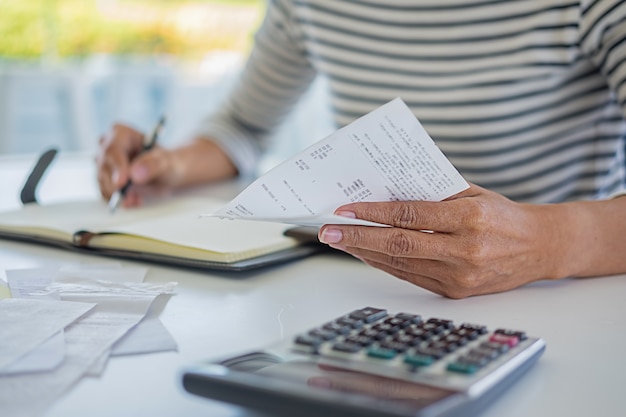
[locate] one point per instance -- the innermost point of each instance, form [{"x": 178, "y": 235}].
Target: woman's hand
[
  {"x": 159, "y": 170},
  {"x": 476, "y": 242}
]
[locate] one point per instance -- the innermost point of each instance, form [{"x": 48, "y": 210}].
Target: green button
[
  {"x": 381, "y": 353},
  {"x": 463, "y": 368},
  {"x": 418, "y": 360}
]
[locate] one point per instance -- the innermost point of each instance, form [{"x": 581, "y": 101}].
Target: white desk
[{"x": 582, "y": 372}]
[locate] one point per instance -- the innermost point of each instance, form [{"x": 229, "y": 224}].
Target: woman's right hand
[{"x": 121, "y": 158}]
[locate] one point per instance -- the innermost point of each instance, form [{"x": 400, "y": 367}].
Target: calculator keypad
[{"x": 417, "y": 343}]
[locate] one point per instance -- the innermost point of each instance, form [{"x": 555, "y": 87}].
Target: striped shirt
[{"x": 525, "y": 97}]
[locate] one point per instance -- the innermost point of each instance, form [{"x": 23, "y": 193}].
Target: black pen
[{"x": 148, "y": 143}]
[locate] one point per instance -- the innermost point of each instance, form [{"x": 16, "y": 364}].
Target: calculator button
[
  {"x": 347, "y": 321},
  {"x": 347, "y": 347},
  {"x": 520, "y": 335},
  {"x": 477, "y": 327},
  {"x": 432, "y": 327},
  {"x": 510, "y": 341},
  {"x": 499, "y": 347},
  {"x": 468, "y": 334},
  {"x": 304, "y": 340},
  {"x": 373, "y": 334},
  {"x": 418, "y": 360},
  {"x": 487, "y": 353},
  {"x": 408, "y": 319},
  {"x": 433, "y": 352},
  {"x": 387, "y": 328},
  {"x": 360, "y": 340},
  {"x": 406, "y": 339},
  {"x": 381, "y": 353},
  {"x": 420, "y": 333},
  {"x": 443, "y": 346},
  {"x": 446, "y": 324},
  {"x": 390, "y": 344},
  {"x": 474, "y": 358},
  {"x": 456, "y": 339},
  {"x": 337, "y": 328},
  {"x": 463, "y": 368},
  {"x": 368, "y": 314},
  {"x": 323, "y": 334}
]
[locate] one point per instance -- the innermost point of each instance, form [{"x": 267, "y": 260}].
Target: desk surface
[{"x": 582, "y": 372}]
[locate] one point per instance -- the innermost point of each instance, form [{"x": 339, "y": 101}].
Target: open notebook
[{"x": 170, "y": 232}]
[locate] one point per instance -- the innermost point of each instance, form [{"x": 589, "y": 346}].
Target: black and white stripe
[{"x": 526, "y": 97}]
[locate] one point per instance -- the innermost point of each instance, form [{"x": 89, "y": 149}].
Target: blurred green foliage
[{"x": 31, "y": 29}]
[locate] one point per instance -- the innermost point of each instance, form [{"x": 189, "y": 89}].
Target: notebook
[{"x": 170, "y": 232}]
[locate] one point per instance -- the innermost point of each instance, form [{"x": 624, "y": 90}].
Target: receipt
[{"x": 385, "y": 155}]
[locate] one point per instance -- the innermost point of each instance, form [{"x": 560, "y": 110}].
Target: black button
[
  {"x": 408, "y": 319},
  {"x": 434, "y": 353},
  {"x": 488, "y": 353},
  {"x": 455, "y": 338},
  {"x": 347, "y": 321},
  {"x": 478, "y": 327},
  {"x": 308, "y": 341},
  {"x": 323, "y": 334},
  {"x": 469, "y": 334},
  {"x": 390, "y": 344},
  {"x": 337, "y": 328},
  {"x": 368, "y": 314},
  {"x": 432, "y": 327},
  {"x": 474, "y": 359},
  {"x": 387, "y": 328},
  {"x": 361, "y": 340},
  {"x": 446, "y": 324},
  {"x": 498, "y": 347},
  {"x": 406, "y": 339},
  {"x": 420, "y": 333},
  {"x": 347, "y": 347}
]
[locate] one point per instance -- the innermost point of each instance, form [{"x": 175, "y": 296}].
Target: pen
[{"x": 148, "y": 143}]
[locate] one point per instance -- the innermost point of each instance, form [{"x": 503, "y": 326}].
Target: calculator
[{"x": 373, "y": 363}]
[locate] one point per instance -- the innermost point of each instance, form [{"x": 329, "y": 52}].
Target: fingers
[
  {"x": 150, "y": 167},
  {"x": 440, "y": 282},
  {"x": 475, "y": 243},
  {"x": 400, "y": 243},
  {"x": 436, "y": 276},
  {"x": 446, "y": 216},
  {"x": 117, "y": 149}
]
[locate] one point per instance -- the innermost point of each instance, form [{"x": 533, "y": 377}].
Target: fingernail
[
  {"x": 331, "y": 236},
  {"x": 348, "y": 214},
  {"x": 115, "y": 177}
]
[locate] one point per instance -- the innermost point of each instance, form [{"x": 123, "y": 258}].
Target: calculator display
[{"x": 323, "y": 379}]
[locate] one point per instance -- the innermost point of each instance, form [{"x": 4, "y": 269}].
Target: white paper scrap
[
  {"x": 28, "y": 394},
  {"x": 119, "y": 307},
  {"x": 27, "y": 323},
  {"x": 44, "y": 357}
]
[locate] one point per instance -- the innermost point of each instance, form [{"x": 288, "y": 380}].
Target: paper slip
[
  {"x": 46, "y": 357},
  {"x": 102, "y": 280},
  {"x": 26, "y": 324},
  {"x": 385, "y": 155},
  {"x": 119, "y": 307}
]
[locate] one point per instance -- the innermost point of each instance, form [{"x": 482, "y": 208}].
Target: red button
[{"x": 510, "y": 341}]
